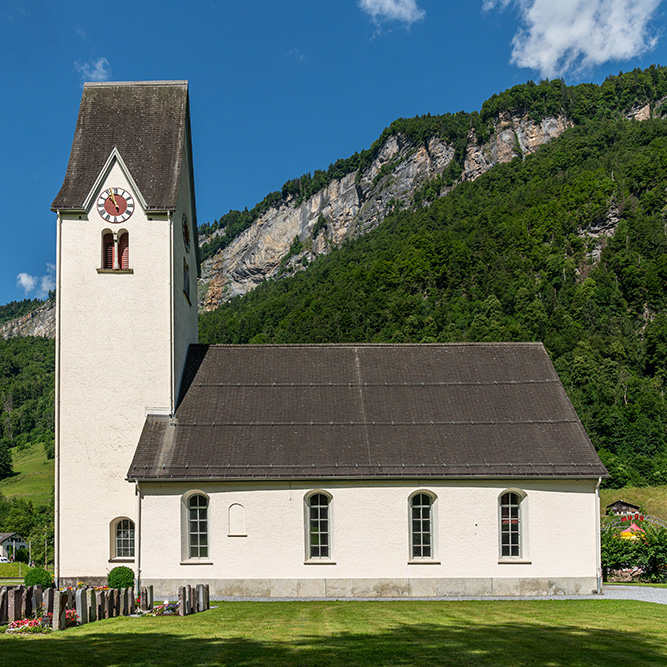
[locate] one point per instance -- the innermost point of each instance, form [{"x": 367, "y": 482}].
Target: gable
[
  {"x": 300, "y": 411},
  {"x": 147, "y": 123}
]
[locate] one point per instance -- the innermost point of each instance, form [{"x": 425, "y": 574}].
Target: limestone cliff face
[
  {"x": 357, "y": 203},
  {"x": 38, "y": 322}
]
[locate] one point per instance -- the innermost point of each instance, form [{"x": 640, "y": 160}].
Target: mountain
[
  {"x": 541, "y": 217},
  {"x": 413, "y": 162},
  {"x": 567, "y": 246}
]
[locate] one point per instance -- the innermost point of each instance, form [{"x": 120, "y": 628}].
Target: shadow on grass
[{"x": 413, "y": 644}]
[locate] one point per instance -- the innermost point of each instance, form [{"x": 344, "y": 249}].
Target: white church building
[{"x": 283, "y": 470}]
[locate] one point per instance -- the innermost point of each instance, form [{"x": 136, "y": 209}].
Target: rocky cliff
[
  {"x": 39, "y": 322},
  {"x": 357, "y": 203}
]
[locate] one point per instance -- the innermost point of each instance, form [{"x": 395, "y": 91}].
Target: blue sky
[{"x": 277, "y": 88}]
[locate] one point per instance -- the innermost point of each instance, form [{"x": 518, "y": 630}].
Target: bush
[
  {"x": 120, "y": 577},
  {"x": 37, "y": 576}
]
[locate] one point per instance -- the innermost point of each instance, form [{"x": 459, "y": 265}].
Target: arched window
[
  {"x": 108, "y": 251},
  {"x": 186, "y": 279},
  {"x": 124, "y": 251},
  {"x": 197, "y": 526},
  {"x": 125, "y": 539},
  {"x": 319, "y": 529},
  {"x": 510, "y": 525},
  {"x": 121, "y": 538},
  {"x": 421, "y": 526},
  {"x": 115, "y": 250}
]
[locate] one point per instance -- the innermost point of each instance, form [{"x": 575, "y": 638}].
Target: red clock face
[
  {"x": 115, "y": 204},
  {"x": 115, "y": 209}
]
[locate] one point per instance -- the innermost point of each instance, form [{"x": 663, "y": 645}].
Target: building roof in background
[{"x": 371, "y": 411}]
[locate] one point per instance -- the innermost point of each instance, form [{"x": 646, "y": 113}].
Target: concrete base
[{"x": 379, "y": 588}]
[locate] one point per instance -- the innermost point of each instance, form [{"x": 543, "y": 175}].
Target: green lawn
[
  {"x": 34, "y": 478},
  {"x": 588, "y": 633}
]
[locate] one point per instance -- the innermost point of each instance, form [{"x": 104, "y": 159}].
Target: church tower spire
[{"x": 126, "y": 311}]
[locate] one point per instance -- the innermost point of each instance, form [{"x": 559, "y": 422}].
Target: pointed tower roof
[{"x": 147, "y": 122}]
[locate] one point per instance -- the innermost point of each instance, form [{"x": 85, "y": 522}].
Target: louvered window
[
  {"x": 124, "y": 251},
  {"x": 107, "y": 251}
]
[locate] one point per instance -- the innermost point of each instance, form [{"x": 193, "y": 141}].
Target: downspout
[
  {"x": 137, "y": 539},
  {"x": 598, "y": 540},
  {"x": 56, "y": 503},
  {"x": 172, "y": 297}
]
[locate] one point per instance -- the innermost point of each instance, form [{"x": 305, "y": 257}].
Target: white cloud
[
  {"x": 97, "y": 69},
  {"x": 37, "y": 286},
  {"x": 405, "y": 11},
  {"x": 560, "y": 36}
]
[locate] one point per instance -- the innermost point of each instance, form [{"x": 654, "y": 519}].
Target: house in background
[
  {"x": 620, "y": 507},
  {"x": 9, "y": 543},
  {"x": 278, "y": 470}
]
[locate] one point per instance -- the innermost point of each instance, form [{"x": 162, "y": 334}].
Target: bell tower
[{"x": 126, "y": 311}]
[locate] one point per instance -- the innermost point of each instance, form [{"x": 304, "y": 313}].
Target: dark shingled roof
[
  {"x": 371, "y": 411},
  {"x": 147, "y": 122}
]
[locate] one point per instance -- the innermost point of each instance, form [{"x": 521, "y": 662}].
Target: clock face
[{"x": 115, "y": 205}]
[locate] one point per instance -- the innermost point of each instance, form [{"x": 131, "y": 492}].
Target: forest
[
  {"x": 516, "y": 255},
  {"x": 519, "y": 254}
]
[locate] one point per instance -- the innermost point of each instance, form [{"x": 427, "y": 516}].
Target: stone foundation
[{"x": 379, "y": 588}]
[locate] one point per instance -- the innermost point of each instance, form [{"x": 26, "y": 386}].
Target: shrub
[
  {"x": 120, "y": 577},
  {"x": 37, "y": 576}
]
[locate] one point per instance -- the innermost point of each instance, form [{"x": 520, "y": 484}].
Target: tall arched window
[
  {"x": 510, "y": 525},
  {"x": 319, "y": 530},
  {"x": 198, "y": 526},
  {"x": 125, "y": 539},
  {"x": 421, "y": 526}
]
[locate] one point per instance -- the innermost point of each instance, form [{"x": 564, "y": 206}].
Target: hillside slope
[
  {"x": 413, "y": 161},
  {"x": 568, "y": 246}
]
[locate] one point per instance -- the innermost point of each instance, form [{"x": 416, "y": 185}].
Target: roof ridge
[{"x": 102, "y": 84}]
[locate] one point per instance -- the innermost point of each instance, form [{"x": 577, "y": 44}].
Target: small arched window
[
  {"x": 108, "y": 251},
  {"x": 319, "y": 529},
  {"x": 186, "y": 279},
  {"x": 421, "y": 526},
  {"x": 122, "y": 537},
  {"x": 115, "y": 250},
  {"x": 198, "y": 526},
  {"x": 510, "y": 525},
  {"x": 124, "y": 251}
]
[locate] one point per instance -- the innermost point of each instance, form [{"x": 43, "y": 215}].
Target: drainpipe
[
  {"x": 137, "y": 539},
  {"x": 56, "y": 499},
  {"x": 598, "y": 544}
]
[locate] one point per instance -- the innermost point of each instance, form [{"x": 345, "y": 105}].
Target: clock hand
[{"x": 113, "y": 199}]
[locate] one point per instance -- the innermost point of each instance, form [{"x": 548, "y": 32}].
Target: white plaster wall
[
  {"x": 115, "y": 361},
  {"x": 370, "y": 531}
]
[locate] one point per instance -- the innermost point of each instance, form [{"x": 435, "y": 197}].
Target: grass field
[
  {"x": 587, "y": 633},
  {"x": 34, "y": 478},
  {"x": 653, "y": 499}
]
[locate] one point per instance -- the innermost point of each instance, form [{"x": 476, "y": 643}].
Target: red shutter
[
  {"x": 124, "y": 251},
  {"x": 107, "y": 252}
]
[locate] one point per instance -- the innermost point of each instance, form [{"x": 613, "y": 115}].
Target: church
[{"x": 356, "y": 470}]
